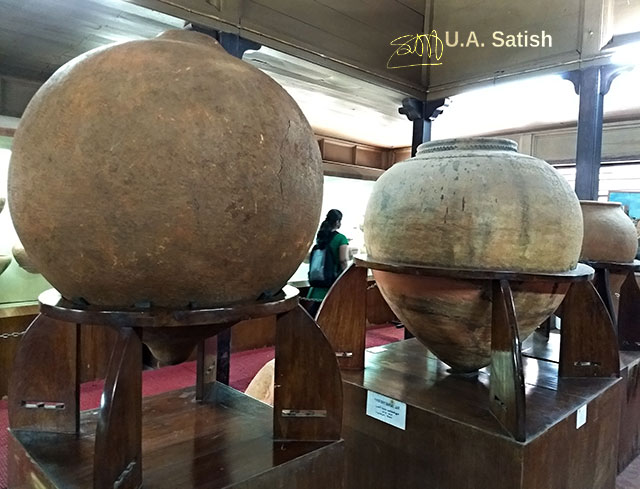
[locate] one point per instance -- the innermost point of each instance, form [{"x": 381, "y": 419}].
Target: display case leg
[
  {"x": 212, "y": 364},
  {"x": 629, "y": 314},
  {"x": 118, "y": 448},
  {"x": 44, "y": 389},
  {"x": 342, "y": 317},
  {"x": 588, "y": 343},
  {"x": 506, "y": 390},
  {"x": 307, "y": 386}
]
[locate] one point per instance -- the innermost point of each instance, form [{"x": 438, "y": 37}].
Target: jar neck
[{"x": 468, "y": 144}]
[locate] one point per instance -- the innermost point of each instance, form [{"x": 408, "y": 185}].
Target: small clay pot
[
  {"x": 22, "y": 258},
  {"x": 609, "y": 234},
  {"x": 5, "y": 261}
]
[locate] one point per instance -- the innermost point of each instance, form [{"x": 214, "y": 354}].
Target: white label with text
[
  {"x": 386, "y": 409},
  {"x": 581, "y": 416}
]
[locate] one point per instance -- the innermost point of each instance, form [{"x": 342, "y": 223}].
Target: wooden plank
[
  {"x": 9, "y": 346},
  {"x": 589, "y": 346},
  {"x": 506, "y": 393},
  {"x": 629, "y": 314},
  {"x": 44, "y": 389},
  {"x": 378, "y": 311},
  {"x": 254, "y": 333},
  {"x": 118, "y": 447},
  {"x": 308, "y": 389},
  {"x": 96, "y": 344},
  {"x": 342, "y": 317},
  {"x": 629, "y": 440},
  {"x": 350, "y": 171}
]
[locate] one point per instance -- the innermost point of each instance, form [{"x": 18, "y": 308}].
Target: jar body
[
  {"x": 471, "y": 204},
  {"x": 165, "y": 171},
  {"x": 609, "y": 234}
]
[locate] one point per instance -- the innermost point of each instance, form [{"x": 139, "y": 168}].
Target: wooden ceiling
[{"x": 39, "y": 36}]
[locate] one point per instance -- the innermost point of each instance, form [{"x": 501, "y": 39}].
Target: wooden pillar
[{"x": 592, "y": 84}]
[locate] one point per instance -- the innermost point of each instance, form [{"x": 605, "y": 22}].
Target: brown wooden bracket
[
  {"x": 43, "y": 389},
  {"x": 506, "y": 390},
  {"x": 213, "y": 364},
  {"x": 602, "y": 283},
  {"x": 588, "y": 346},
  {"x": 308, "y": 387},
  {"x": 629, "y": 314},
  {"x": 118, "y": 448},
  {"x": 342, "y": 317}
]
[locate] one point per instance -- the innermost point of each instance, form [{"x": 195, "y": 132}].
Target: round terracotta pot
[
  {"x": 23, "y": 259},
  {"x": 471, "y": 204},
  {"x": 165, "y": 171},
  {"x": 609, "y": 234},
  {"x": 5, "y": 261}
]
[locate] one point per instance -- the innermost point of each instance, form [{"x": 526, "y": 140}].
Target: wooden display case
[
  {"x": 451, "y": 439},
  {"x": 209, "y": 436},
  {"x": 511, "y": 425},
  {"x": 624, "y": 311}
]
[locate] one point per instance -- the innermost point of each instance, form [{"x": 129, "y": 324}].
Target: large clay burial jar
[
  {"x": 609, "y": 234},
  {"x": 164, "y": 171},
  {"x": 471, "y": 204}
]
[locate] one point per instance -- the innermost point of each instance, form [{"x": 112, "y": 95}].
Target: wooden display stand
[
  {"x": 624, "y": 313},
  {"x": 210, "y": 436},
  {"x": 510, "y": 425}
]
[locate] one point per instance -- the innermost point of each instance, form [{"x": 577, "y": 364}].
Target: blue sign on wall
[{"x": 630, "y": 200}]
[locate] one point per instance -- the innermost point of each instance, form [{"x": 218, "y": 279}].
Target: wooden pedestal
[
  {"x": 209, "y": 436},
  {"x": 452, "y": 440},
  {"x": 537, "y": 346},
  {"x": 226, "y": 442}
]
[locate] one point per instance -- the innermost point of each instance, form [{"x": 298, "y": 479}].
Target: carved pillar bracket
[
  {"x": 232, "y": 43},
  {"x": 592, "y": 84},
  {"x": 422, "y": 113}
]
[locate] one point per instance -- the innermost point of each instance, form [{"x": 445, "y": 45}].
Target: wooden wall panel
[
  {"x": 9, "y": 346},
  {"x": 620, "y": 142},
  {"x": 568, "y": 22}
]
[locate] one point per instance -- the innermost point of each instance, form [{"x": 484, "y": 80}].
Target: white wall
[{"x": 16, "y": 285}]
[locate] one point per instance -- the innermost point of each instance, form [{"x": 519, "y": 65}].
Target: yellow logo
[{"x": 414, "y": 48}]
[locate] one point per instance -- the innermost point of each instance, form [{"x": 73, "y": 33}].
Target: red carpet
[{"x": 244, "y": 366}]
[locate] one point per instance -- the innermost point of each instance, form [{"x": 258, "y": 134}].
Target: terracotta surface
[
  {"x": 165, "y": 171},
  {"x": 609, "y": 234},
  {"x": 5, "y": 261},
  {"x": 473, "y": 204},
  {"x": 453, "y": 317},
  {"x": 23, "y": 259},
  {"x": 261, "y": 386}
]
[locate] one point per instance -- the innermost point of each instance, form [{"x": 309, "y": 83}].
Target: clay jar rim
[
  {"x": 468, "y": 144},
  {"x": 598, "y": 203}
]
